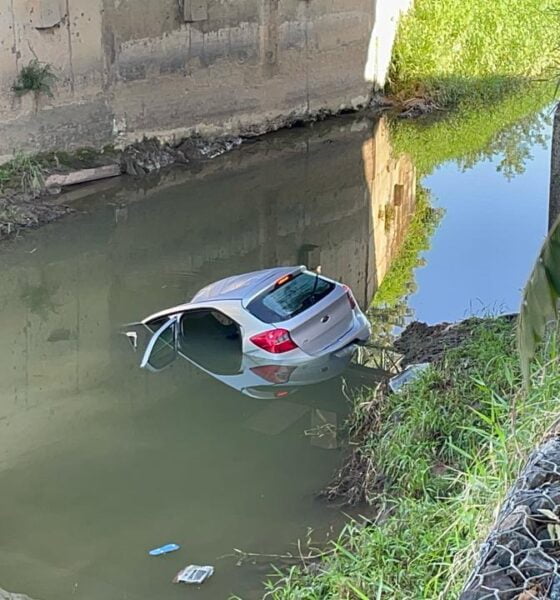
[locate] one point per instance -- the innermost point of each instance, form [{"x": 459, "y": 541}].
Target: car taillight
[
  {"x": 274, "y": 373},
  {"x": 350, "y": 297},
  {"x": 275, "y": 341}
]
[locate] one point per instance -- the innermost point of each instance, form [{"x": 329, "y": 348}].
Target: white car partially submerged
[{"x": 285, "y": 314}]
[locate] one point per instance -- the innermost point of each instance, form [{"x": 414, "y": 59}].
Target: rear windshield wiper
[{"x": 309, "y": 300}]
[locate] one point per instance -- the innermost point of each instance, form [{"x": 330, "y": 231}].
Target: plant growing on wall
[{"x": 36, "y": 77}]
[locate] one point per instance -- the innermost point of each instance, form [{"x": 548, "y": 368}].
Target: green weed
[
  {"x": 507, "y": 127},
  {"x": 35, "y": 77},
  {"x": 23, "y": 173}
]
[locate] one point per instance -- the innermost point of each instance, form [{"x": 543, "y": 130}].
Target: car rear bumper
[{"x": 358, "y": 334}]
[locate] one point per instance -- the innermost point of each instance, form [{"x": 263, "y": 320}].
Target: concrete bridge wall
[{"x": 133, "y": 68}]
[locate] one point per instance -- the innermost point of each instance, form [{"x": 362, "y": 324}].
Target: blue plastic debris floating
[{"x": 164, "y": 549}]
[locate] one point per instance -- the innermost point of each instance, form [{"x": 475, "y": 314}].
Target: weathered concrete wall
[
  {"x": 130, "y": 68},
  {"x": 391, "y": 182}
]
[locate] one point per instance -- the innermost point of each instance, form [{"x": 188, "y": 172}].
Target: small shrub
[
  {"x": 36, "y": 77},
  {"x": 23, "y": 172}
]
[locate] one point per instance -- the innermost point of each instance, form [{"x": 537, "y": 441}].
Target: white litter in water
[
  {"x": 410, "y": 374},
  {"x": 193, "y": 574}
]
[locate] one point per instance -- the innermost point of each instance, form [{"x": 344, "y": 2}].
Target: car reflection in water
[{"x": 212, "y": 344}]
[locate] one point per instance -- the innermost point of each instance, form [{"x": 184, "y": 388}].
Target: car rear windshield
[{"x": 290, "y": 298}]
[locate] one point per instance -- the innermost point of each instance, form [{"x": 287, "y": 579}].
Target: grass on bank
[
  {"x": 451, "y": 50},
  {"x": 26, "y": 173},
  {"x": 447, "y": 450},
  {"x": 23, "y": 173}
]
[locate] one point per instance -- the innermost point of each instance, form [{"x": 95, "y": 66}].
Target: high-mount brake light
[
  {"x": 350, "y": 297},
  {"x": 275, "y": 341},
  {"x": 282, "y": 280}
]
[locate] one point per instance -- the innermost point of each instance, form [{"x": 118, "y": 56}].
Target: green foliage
[
  {"x": 449, "y": 448},
  {"x": 539, "y": 307},
  {"x": 24, "y": 172},
  {"x": 399, "y": 281},
  {"x": 35, "y": 77},
  {"x": 450, "y": 50},
  {"x": 478, "y": 131}
]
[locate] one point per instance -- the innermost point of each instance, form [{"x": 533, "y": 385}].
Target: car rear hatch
[
  {"x": 314, "y": 310},
  {"x": 322, "y": 324}
]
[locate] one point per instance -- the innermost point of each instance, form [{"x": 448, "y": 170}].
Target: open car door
[
  {"x": 201, "y": 335},
  {"x": 162, "y": 347}
]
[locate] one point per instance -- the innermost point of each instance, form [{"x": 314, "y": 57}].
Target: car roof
[{"x": 240, "y": 287}]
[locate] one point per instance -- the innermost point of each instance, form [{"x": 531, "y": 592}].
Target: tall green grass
[
  {"x": 448, "y": 449},
  {"x": 23, "y": 173},
  {"x": 455, "y": 49}
]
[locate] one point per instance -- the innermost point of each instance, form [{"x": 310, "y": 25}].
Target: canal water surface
[{"x": 101, "y": 461}]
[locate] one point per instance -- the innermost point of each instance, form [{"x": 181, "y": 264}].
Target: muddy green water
[{"x": 100, "y": 461}]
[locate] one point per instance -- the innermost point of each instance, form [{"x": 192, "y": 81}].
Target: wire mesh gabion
[{"x": 520, "y": 559}]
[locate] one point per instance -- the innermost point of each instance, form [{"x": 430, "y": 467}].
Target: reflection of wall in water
[
  {"x": 61, "y": 357},
  {"x": 341, "y": 200},
  {"x": 391, "y": 182}
]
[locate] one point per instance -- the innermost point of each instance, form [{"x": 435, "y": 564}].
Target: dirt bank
[
  {"x": 32, "y": 189},
  {"x": 359, "y": 478},
  {"x": 420, "y": 343},
  {"x": 23, "y": 211}
]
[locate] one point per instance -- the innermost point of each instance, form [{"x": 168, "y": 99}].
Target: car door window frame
[{"x": 171, "y": 322}]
